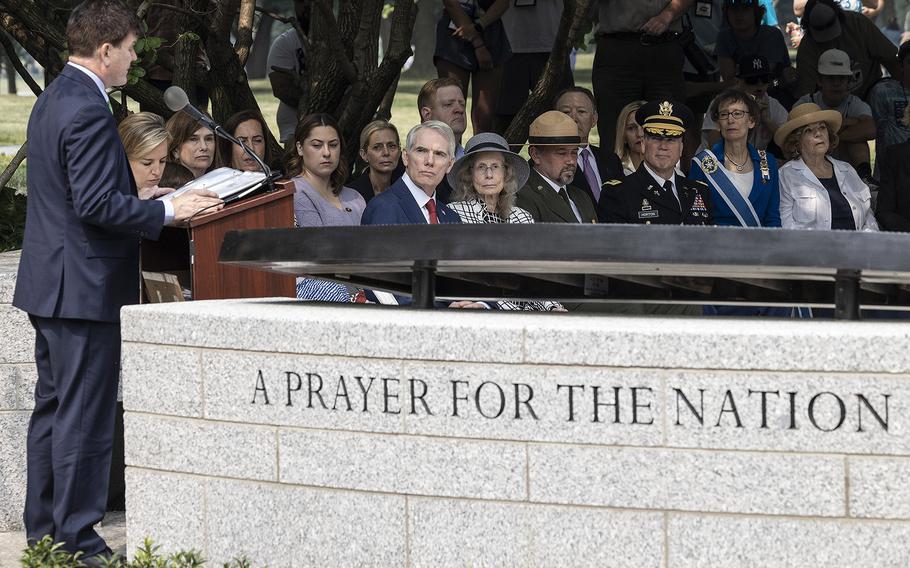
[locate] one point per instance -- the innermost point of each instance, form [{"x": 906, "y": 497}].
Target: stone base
[{"x": 306, "y": 435}]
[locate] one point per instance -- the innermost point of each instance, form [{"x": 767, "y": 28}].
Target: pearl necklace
[{"x": 739, "y": 167}]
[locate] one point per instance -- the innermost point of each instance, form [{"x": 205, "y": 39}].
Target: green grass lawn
[{"x": 16, "y": 109}]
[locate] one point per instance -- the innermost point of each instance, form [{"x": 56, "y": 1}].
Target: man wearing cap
[
  {"x": 828, "y": 26},
  {"x": 548, "y": 195},
  {"x": 595, "y": 164},
  {"x": 835, "y": 78},
  {"x": 753, "y": 76},
  {"x": 639, "y": 55},
  {"x": 656, "y": 194}
]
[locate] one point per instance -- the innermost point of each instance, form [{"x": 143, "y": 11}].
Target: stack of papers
[{"x": 228, "y": 183}]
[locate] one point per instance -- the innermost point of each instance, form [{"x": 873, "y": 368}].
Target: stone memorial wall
[
  {"x": 307, "y": 435},
  {"x": 17, "y": 388}
]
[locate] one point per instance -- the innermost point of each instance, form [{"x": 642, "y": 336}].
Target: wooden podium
[{"x": 192, "y": 252}]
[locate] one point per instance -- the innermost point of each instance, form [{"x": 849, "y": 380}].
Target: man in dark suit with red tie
[
  {"x": 79, "y": 266},
  {"x": 595, "y": 164},
  {"x": 428, "y": 156}
]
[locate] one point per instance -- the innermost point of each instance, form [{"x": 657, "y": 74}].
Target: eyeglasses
[
  {"x": 766, "y": 79},
  {"x": 734, "y": 114},
  {"x": 485, "y": 169}
]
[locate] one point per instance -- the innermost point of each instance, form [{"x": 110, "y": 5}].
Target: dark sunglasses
[{"x": 758, "y": 79}]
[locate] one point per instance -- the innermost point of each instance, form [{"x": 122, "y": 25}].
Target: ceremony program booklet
[{"x": 228, "y": 183}]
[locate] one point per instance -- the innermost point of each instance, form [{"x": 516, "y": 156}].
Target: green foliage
[
  {"x": 46, "y": 554},
  {"x": 146, "y": 54}
]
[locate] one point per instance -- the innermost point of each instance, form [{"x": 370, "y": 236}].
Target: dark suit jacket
[
  {"x": 80, "y": 253},
  {"x": 639, "y": 199},
  {"x": 608, "y": 166},
  {"x": 539, "y": 199},
  {"x": 396, "y": 206},
  {"x": 893, "y": 206}
]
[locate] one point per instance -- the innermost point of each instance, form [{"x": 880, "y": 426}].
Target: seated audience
[
  {"x": 892, "y": 209},
  {"x": 594, "y": 164},
  {"x": 828, "y": 26},
  {"x": 443, "y": 100},
  {"x": 380, "y": 148},
  {"x": 629, "y": 143},
  {"x": 412, "y": 199},
  {"x": 857, "y": 127},
  {"x": 145, "y": 141},
  {"x": 743, "y": 179},
  {"x": 888, "y": 101},
  {"x": 248, "y": 127},
  {"x": 191, "y": 143},
  {"x": 485, "y": 181},
  {"x": 549, "y": 195},
  {"x": 657, "y": 193},
  {"x": 752, "y": 77},
  {"x": 816, "y": 190},
  {"x": 318, "y": 170}
]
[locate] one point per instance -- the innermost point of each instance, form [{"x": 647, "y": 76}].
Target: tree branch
[
  {"x": 245, "y": 30},
  {"x": 17, "y": 64},
  {"x": 336, "y": 44},
  {"x": 276, "y": 16},
  {"x": 13, "y": 165}
]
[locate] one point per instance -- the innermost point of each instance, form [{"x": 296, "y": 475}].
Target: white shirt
[
  {"x": 168, "y": 206},
  {"x": 662, "y": 181},
  {"x": 420, "y": 196},
  {"x": 556, "y": 188},
  {"x": 593, "y": 161},
  {"x": 742, "y": 182}
]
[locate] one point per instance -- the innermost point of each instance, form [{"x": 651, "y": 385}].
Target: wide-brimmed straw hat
[
  {"x": 553, "y": 128},
  {"x": 490, "y": 142},
  {"x": 804, "y": 114}
]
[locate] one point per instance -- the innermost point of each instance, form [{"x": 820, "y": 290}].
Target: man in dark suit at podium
[
  {"x": 595, "y": 164},
  {"x": 79, "y": 266},
  {"x": 413, "y": 199}
]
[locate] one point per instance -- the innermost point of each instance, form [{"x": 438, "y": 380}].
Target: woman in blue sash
[{"x": 743, "y": 180}]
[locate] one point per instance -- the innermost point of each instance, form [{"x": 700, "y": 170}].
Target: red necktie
[{"x": 431, "y": 207}]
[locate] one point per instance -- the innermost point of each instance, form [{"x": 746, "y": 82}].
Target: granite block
[
  {"x": 13, "y": 431},
  {"x": 205, "y": 448},
  {"x": 161, "y": 380},
  {"x": 728, "y": 482},
  {"x": 879, "y": 487},
  {"x": 17, "y": 337},
  {"x": 803, "y": 412},
  {"x": 168, "y": 508},
  {"x": 734, "y": 542},
  {"x": 459, "y": 533},
  {"x": 303, "y": 391},
  {"x": 532, "y": 403},
  {"x": 293, "y": 527},
  {"x": 289, "y": 326},
  {"x": 17, "y": 386},
  {"x": 403, "y": 464},
  {"x": 721, "y": 343}
]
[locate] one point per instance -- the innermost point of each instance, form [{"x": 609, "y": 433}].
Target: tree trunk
[
  {"x": 571, "y": 25},
  {"x": 256, "y": 64},
  {"x": 424, "y": 39},
  {"x": 10, "y": 76}
]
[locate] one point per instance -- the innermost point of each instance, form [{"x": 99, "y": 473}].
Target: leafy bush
[{"x": 47, "y": 554}]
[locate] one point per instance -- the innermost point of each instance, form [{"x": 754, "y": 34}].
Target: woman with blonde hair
[
  {"x": 145, "y": 141},
  {"x": 629, "y": 143},
  {"x": 380, "y": 148}
]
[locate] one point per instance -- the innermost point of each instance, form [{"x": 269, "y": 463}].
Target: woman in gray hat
[{"x": 484, "y": 182}]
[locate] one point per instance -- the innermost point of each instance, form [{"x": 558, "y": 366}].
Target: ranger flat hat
[
  {"x": 664, "y": 118},
  {"x": 490, "y": 142},
  {"x": 553, "y": 128}
]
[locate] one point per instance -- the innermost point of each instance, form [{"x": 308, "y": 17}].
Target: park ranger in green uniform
[{"x": 656, "y": 194}]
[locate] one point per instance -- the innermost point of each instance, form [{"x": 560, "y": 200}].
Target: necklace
[{"x": 739, "y": 167}]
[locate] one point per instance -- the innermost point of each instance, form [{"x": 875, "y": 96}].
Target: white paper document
[{"x": 226, "y": 182}]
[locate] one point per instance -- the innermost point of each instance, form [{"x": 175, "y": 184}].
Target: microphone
[{"x": 175, "y": 99}]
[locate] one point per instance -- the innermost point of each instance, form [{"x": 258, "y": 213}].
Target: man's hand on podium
[{"x": 193, "y": 202}]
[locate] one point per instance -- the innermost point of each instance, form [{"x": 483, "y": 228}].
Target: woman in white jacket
[{"x": 817, "y": 191}]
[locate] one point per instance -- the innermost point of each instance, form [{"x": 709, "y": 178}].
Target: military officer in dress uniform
[{"x": 656, "y": 194}]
